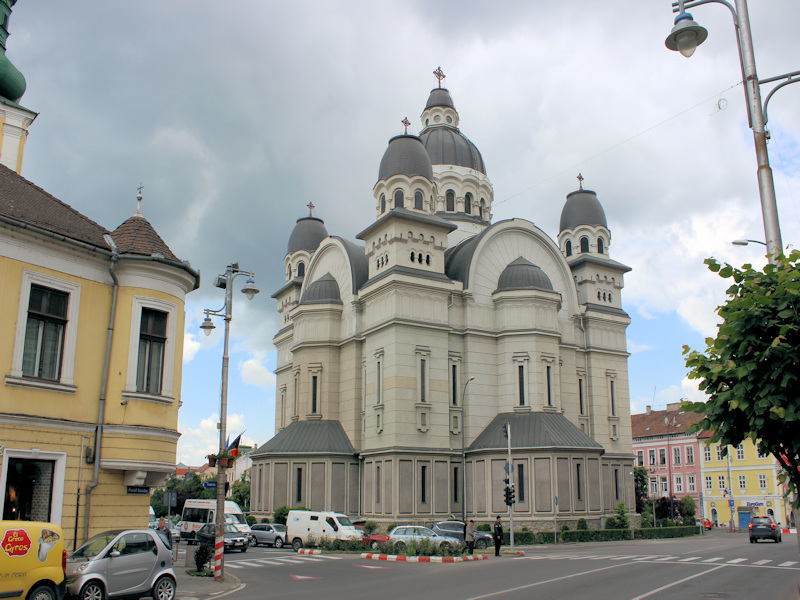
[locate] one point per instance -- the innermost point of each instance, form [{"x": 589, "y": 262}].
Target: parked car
[
  {"x": 371, "y": 540},
  {"x": 272, "y": 534},
  {"x": 234, "y": 539},
  {"x": 32, "y": 560},
  {"x": 130, "y": 563},
  {"x": 764, "y": 528},
  {"x": 456, "y": 529},
  {"x": 302, "y": 524},
  {"x": 705, "y": 523},
  {"x": 402, "y": 536}
]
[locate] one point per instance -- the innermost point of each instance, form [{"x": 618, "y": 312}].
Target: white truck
[
  {"x": 197, "y": 513},
  {"x": 302, "y": 524}
]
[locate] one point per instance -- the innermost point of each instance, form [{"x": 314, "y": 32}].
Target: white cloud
[
  {"x": 190, "y": 346},
  {"x": 635, "y": 348},
  {"x": 196, "y": 443},
  {"x": 255, "y": 372}
]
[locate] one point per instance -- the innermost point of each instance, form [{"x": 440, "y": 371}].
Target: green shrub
[
  {"x": 264, "y": 520},
  {"x": 251, "y": 520},
  {"x": 525, "y": 529},
  {"x": 598, "y": 535},
  {"x": 622, "y": 516},
  {"x": 201, "y": 556},
  {"x": 656, "y": 533},
  {"x": 565, "y": 527},
  {"x": 484, "y": 527},
  {"x": 280, "y": 514},
  {"x": 582, "y": 525},
  {"x": 389, "y": 527},
  {"x": 611, "y": 523},
  {"x": 370, "y": 527}
]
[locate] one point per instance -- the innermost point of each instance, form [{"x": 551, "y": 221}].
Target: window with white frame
[
  {"x": 740, "y": 452},
  {"x": 721, "y": 482},
  {"x": 652, "y": 456},
  {"x": 664, "y": 487},
  {"x": 709, "y": 484},
  {"x": 653, "y": 485},
  {"x": 662, "y": 456},
  {"x": 676, "y": 455},
  {"x": 707, "y": 453},
  {"x": 152, "y": 338},
  {"x": 742, "y": 482},
  {"x": 46, "y": 333},
  {"x": 151, "y": 354},
  {"x": 690, "y": 482},
  {"x": 689, "y": 455},
  {"x": 762, "y": 481},
  {"x": 520, "y": 363},
  {"x": 679, "y": 484},
  {"x": 719, "y": 451},
  {"x": 640, "y": 458}
]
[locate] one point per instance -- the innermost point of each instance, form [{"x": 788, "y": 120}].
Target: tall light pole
[
  {"x": 669, "y": 423},
  {"x": 685, "y": 36},
  {"x": 225, "y": 282},
  {"x": 464, "y": 452}
]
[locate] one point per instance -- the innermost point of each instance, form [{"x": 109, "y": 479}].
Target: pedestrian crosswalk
[
  {"x": 274, "y": 560},
  {"x": 665, "y": 558}
]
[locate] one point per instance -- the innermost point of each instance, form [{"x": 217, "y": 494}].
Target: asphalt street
[{"x": 718, "y": 565}]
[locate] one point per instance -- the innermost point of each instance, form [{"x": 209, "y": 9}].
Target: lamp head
[
  {"x": 250, "y": 289},
  {"x": 686, "y": 35},
  {"x": 207, "y": 325}
]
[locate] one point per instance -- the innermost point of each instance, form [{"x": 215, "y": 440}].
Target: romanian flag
[{"x": 233, "y": 447}]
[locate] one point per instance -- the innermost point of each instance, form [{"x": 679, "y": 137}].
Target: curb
[
  {"x": 792, "y": 530},
  {"x": 423, "y": 559},
  {"x": 309, "y": 551}
]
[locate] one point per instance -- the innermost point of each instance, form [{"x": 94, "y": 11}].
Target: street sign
[
  {"x": 507, "y": 468},
  {"x": 138, "y": 489},
  {"x": 210, "y": 485},
  {"x": 730, "y": 502},
  {"x": 170, "y": 498}
]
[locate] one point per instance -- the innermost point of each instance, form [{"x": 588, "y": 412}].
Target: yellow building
[{"x": 754, "y": 479}]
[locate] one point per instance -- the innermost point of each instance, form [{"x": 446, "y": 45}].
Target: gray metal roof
[
  {"x": 457, "y": 259},
  {"x": 307, "y": 235},
  {"x": 446, "y": 145},
  {"x": 408, "y": 215},
  {"x": 324, "y": 290},
  {"x": 308, "y": 437},
  {"x": 439, "y": 97},
  {"x": 582, "y": 208},
  {"x": 534, "y": 430},
  {"x": 359, "y": 264},
  {"x": 578, "y": 260},
  {"x": 522, "y": 274},
  {"x": 405, "y": 155}
]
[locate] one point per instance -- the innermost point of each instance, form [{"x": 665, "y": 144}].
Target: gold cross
[
  {"x": 406, "y": 123},
  {"x": 140, "y": 188},
  {"x": 580, "y": 181},
  {"x": 311, "y": 208},
  {"x": 439, "y": 75}
]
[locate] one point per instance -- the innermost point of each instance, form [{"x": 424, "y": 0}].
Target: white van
[
  {"x": 197, "y": 513},
  {"x": 300, "y": 524}
]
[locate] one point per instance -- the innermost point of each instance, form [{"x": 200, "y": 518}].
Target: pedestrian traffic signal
[{"x": 509, "y": 495}]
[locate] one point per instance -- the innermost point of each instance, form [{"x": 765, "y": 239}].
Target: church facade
[{"x": 404, "y": 359}]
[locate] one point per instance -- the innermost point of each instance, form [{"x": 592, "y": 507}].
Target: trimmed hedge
[
  {"x": 530, "y": 538},
  {"x": 596, "y": 535},
  {"x": 658, "y": 533}
]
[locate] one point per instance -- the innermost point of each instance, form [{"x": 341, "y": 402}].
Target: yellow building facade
[
  {"x": 91, "y": 350},
  {"x": 740, "y": 485}
]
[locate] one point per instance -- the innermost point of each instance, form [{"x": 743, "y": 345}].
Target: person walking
[
  {"x": 469, "y": 536},
  {"x": 498, "y": 536}
]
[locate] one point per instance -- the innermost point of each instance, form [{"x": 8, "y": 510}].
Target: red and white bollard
[{"x": 219, "y": 552}]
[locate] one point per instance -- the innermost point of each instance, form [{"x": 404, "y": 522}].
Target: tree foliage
[
  {"x": 749, "y": 371},
  {"x": 240, "y": 493},
  {"x": 640, "y": 486}
]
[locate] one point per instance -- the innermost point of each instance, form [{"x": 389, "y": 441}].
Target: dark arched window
[
  {"x": 419, "y": 258},
  {"x": 412, "y": 257},
  {"x": 584, "y": 244},
  {"x": 600, "y": 245},
  {"x": 398, "y": 198},
  {"x": 301, "y": 269},
  {"x": 468, "y": 204},
  {"x": 383, "y": 204},
  {"x": 569, "y": 248},
  {"x": 450, "y": 201},
  {"x": 482, "y": 210},
  {"x": 428, "y": 260},
  {"x": 418, "y": 200}
]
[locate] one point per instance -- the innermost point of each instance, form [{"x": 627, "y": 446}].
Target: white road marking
[
  {"x": 736, "y": 560},
  {"x": 762, "y": 562},
  {"x": 788, "y": 563},
  {"x": 291, "y": 560},
  {"x": 624, "y": 557},
  {"x": 247, "y": 563},
  {"x": 690, "y": 558},
  {"x": 715, "y": 559},
  {"x": 664, "y": 587},
  {"x": 667, "y": 558}
]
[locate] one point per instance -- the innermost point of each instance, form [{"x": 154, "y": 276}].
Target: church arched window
[
  {"x": 468, "y": 204},
  {"x": 383, "y": 204},
  {"x": 584, "y": 244},
  {"x": 482, "y": 209},
  {"x": 289, "y": 272},
  {"x": 568, "y": 248},
  {"x": 419, "y": 258},
  {"x": 450, "y": 201},
  {"x": 398, "y": 198},
  {"x": 412, "y": 256},
  {"x": 600, "y": 245},
  {"x": 428, "y": 260},
  {"x": 418, "y": 199},
  {"x": 301, "y": 269}
]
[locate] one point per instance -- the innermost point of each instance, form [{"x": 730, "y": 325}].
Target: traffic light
[{"x": 509, "y": 495}]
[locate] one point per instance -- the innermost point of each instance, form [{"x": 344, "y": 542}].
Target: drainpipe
[
  {"x": 590, "y": 413},
  {"x": 98, "y": 435}
]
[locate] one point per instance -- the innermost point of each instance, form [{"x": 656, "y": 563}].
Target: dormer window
[
  {"x": 450, "y": 201},
  {"x": 600, "y": 245},
  {"x": 468, "y": 204},
  {"x": 418, "y": 199},
  {"x": 584, "y": 244},
  {"x": 398, "y": 199},
  {"x": 568, "y": 248}
]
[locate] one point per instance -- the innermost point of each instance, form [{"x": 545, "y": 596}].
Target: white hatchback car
[
  {"x": 400, "y": 537},
  {"x": 130, "y": 563}
]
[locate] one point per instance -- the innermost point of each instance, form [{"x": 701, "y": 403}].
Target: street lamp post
[
  {"x": 669, "y": 423},
  {"x": 225, "y": 282},
  {"x": 685, "y": 36},
  {"x": 464, "y": 453}
]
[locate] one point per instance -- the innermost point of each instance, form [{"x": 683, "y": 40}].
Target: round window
[
  {"x": 449, "y": 119},
  {"x": 437, "y": 118}
]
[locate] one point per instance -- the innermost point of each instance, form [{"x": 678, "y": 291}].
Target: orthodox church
[{"x": 410, "y": 361}]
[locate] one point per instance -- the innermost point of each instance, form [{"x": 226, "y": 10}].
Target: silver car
[
  {"x": 400, "y": 537},
  {"x": 130, "y": 563},
  {"x": 273, "y": 534}
]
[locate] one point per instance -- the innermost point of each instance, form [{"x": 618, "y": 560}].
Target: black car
[
  {"x": 234, "y": 539},
  {"x": 456, "y": 529},
  {"x": 764, "y": 528}
]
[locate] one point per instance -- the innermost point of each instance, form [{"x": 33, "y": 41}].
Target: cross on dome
[
  {"x": 138, "y": 212},
  {"x": 439, "y": 75},
  {"x": 406, "y": 123},
  {"x": 311, "y": 208},
  {"x": 580, "y": 181}
]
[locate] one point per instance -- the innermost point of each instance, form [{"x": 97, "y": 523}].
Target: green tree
[
  {"x": 622, "y": 516},
  {"x": 689, "y": 507},
  {"x": 640, "y": 486},
  {"x": 157, "y": 503},
  {"x": 240, "y": 493},
  {"x": 749, "y": 371}
]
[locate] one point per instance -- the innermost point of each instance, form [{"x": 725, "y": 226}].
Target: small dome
[
  {"x": 307, "y": 235},
  {"x": 522, "y": 274},
  {"x": 439, "y": 97},
  {"x": 448, "y": 146},
  {"x": 405, "y": 156},
  {"x": 582, "y": 208},
  {"x": 324, "y": 290}
]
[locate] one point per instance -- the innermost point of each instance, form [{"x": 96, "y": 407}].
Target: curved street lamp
[
  {"x": 746, "y": 242},
  {"x": 464, "y": 454},
  {"x": 225, "y": 282}
]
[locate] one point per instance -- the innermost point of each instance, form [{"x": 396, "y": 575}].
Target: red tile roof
[
  {"x": 652, "y": 424},
  {"x": 137, "y": 236}
]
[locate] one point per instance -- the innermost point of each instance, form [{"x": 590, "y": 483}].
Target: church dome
[
  {"x": 448, "y": 146},
  {"x": 324, "y": 290},
  {"x": 439, "y": 97},
  {"x": 582, "y": 208},
  {"x": 307, "y": 235},
  {"x": 405, "y": 156},
  {"x": 522, "y": 274}
]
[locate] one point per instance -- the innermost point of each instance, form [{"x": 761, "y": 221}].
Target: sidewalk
[{"x": 191, "y": 587}]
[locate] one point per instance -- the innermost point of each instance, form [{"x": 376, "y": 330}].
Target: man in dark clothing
[{"x": 498, "y": 536}]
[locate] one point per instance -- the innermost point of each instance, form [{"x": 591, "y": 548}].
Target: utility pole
[{"x": 511, "y": 487}]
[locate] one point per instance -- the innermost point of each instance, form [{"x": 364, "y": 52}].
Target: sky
[{"x": 235, "y": 115}]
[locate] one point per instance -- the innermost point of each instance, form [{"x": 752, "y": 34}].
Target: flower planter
[
  {"x": 224, "y": 462},
  {"x": 212, "y": 461}
]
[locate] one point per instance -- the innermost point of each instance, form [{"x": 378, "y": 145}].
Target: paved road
[{"x": 716, "y": 566}]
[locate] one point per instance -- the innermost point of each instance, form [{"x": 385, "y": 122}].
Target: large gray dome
[
  {"x": 405, "y": 156},
  {"x": 448, "y": 146},
  {"x": 582, "y": 208},
  {"x": 324, "y": 290},
  {"x": 439, "y": 97},
  {"x": 522, "y": 274},
  {"x": 307, "y": 235}
]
